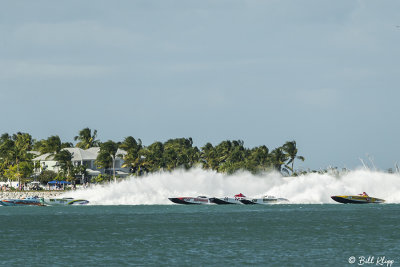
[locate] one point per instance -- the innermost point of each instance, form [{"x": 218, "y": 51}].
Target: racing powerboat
[
  {"x": 64, "y": 201},
  {"x": 36, "y": 201},
  {"x": 190, "y": 200},
  {"x": 28, "y": 201},
  {"x": 358, "y": 199},
  {"x": 228, "y": 200},
  {"x": 265, "y": 200}
]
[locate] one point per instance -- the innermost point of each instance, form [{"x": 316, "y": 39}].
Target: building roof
[
  {"x": 46, "y": 156},
  {"x": 78, "y": 154},
  {"x": 36, "y": 153}
]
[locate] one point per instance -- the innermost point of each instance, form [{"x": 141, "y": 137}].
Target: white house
[{"x": 86, "y": 157}]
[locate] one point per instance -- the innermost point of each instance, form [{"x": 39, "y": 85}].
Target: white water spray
[{"x": 311, "y": 188}]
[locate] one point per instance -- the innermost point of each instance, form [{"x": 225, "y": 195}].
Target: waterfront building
[{"x": 86, "y": 157}]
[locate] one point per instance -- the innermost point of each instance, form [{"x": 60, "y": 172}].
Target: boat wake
[{"x": 312, "y": 188}]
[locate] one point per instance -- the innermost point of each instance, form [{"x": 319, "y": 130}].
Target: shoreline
[{"x": 23, "y": 194}]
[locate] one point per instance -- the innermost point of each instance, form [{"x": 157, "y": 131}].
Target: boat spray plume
[{"x": 312, "y": 188}]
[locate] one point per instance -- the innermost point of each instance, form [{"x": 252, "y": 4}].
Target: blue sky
[{"x": 323, "y": 73}]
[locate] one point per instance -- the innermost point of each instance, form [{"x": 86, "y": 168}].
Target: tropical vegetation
[{"x": 229, "y": 156}]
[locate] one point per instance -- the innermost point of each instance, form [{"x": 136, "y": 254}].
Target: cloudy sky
[{"x": 323, "y": 73}]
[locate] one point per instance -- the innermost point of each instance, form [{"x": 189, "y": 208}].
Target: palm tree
[
  {"x": 6, "y": 147},
  {"x": 22, "y": 144},
  {"x": 86, "y": 139},
  {"x": 108, "y": 150},
  {"x": 51, "y": 145},
  {"x": 278, "y": 158},
  {"x": 78, "y": 170},
  {"x": 208, "y": 157},
  {"x": 135, "y": 155},
  {"x": 14, "y": 156},
  {"x": 64, "y": 158},
  {"x": 136, "y": 162},
  {"x": 130, "y": 143},
  {"x": 223, "y": 150},
  {"x": 180, "y": 152},
  {"x": 291, "y": 151},
  {"x": 193, "y": 155},
  {"x": 258, "y": 159},
  {"x": 236, "y": 158},
  {"x": 153, "y": 157}
]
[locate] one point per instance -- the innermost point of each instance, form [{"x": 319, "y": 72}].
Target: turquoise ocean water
[{"x": 209, "y": 235}]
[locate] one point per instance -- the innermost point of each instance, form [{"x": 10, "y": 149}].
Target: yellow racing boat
[{"x": 358, "y": 199}]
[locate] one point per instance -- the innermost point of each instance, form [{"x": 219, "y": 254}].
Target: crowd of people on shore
[
  {"x": 5, "y": 187},
  {"x": 37, "y": 186}
]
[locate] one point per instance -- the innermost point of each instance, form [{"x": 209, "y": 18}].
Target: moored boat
[
  {"x": 265, "y": 200},
  {"x": 28, "y": 201},
  {"x": 357, "y": 199},
  {"x": 190, "y": 200},
  {"x": 228, "y": 200}
]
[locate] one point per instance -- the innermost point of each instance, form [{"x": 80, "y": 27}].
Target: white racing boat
[
  {"x": 190, "y": 200},
  {"x": 228, "y": 200},
  {"x": 63, "y": 201},
  {"x": 265, "y": 200},
  {"x": 39, "y": 201}
]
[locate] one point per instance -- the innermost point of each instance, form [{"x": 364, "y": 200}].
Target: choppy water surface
[{"x": 209, "y": 235}]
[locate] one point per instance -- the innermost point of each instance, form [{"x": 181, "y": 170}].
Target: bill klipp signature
[{"x": 377, "y": 261}]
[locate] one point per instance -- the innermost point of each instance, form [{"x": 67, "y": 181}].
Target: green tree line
[{"x": 229, "y": 156}]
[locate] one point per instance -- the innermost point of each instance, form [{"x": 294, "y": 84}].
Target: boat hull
[
  {"x": 190, "y": 200},
  {"x": 64, "y": 201},
  {"x": 225, "y": 201},
  {"x": 247, "y": 202},
  {"x": 357, "y": 200},
  {"x": 264, "y": 201},
  {"x": 79, "y": 202},
  {"x": 21, "y": 202}
]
